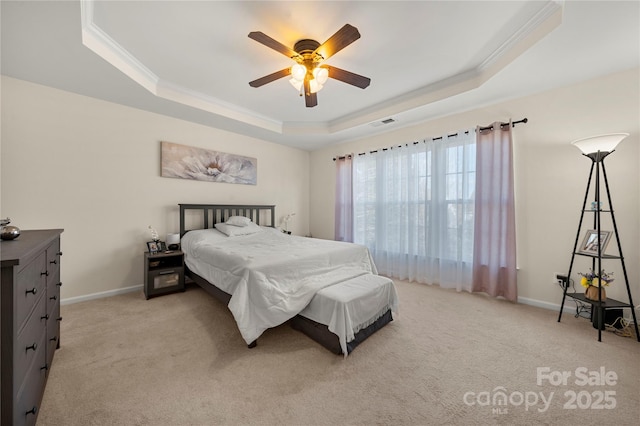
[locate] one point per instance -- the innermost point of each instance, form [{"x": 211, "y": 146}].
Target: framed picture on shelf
[
  {"x": 590, "y": 243},
  {"x": 152, "y": 246},
  {"x": 162, "y": 246}
]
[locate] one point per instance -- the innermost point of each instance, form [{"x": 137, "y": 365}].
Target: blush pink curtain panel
[
  {"x": 494, "y": 250},
  {"x": 344, "y": 199}
]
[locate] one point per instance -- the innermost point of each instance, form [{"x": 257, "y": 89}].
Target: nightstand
[{"x": 163, "y": 273}]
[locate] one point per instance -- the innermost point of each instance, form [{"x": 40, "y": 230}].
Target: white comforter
[{"x": 271, "y": 276}]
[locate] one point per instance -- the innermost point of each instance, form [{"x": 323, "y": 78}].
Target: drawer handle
[
  {"x": 34, "y": 410},
  {"x": 33, "y": 347},
  {"x": 166, "y": 272},
  {"x": 54, "y": 339},
  {"x": 59, "y": 319},
  {"x": 54, "y": 262},
  {"x": 54, "y": 297},
  {"x": 46, "y": 317},
  {"x": 45, "y": 273},
  {"x": 59, "y": 253},
  {"x": 59, "y": 284},
  {"x": 32, "y": 291},
  {"x": 45, "y": 367}
]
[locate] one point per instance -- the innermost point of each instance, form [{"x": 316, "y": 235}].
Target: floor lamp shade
[{"x": 601, "y": 143}]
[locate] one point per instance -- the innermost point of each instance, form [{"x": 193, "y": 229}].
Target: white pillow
[
  {"x": 238, "y": 221},
  {"x": 233, "y": 231}
]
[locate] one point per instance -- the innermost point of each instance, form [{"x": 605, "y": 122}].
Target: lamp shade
[
  {"x": 321, "y": 75},
  {"x": 296, "y": 83},
  {"x": 602, "y": 143},
  {"x": 298, "y": 72},
  {"x": 173, "y": 240}
]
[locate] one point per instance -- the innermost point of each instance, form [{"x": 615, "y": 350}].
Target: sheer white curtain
[
  {"x": 413, "y": 208},
  {"x": 344, "y": 199},
  {"x": 494, "y": 268}
]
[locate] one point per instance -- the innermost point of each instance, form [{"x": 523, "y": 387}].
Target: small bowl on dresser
[{"x": 9, "y": 233}]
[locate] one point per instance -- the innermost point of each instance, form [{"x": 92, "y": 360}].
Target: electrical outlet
[{"x": 560, "y": 279}]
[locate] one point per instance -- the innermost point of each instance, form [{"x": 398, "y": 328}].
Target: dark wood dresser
[{"x": 29, "y": 321}]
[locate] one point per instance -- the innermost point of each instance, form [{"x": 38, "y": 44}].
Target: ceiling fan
[{"x": 308, "y": 73}]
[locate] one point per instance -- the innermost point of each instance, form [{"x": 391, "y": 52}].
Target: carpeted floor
[{"x": 448, "y": 358}]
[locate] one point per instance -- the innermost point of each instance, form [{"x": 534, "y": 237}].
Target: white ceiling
[{"x": 426, "y": 59}]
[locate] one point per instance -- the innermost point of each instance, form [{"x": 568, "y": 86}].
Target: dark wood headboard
[{"x": 215, "y": 213}]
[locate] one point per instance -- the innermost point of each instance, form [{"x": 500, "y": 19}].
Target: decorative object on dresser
[
  {"x": 163, "y": 273},
  {"x": 30, "y": 321},
  {"x": 8, "y": 232},
  {"x": 597, "y": 148}
]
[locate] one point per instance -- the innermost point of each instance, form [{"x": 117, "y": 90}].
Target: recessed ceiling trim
[
  {"x": 300, "y": 128},
  {"x": 111, "y": 51},
  {"x": 537, "y": 27},
  {"x": 107, "y": 48},
  {"x": 167, "y": 90}
]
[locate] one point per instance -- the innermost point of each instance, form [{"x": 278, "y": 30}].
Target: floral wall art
[{"x": 187, "y": 162}]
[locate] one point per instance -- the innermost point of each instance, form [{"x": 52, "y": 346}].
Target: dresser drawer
[
  {"x": 53, "y": 264},
  {"x": 30, "y": 287},
  {"x": 53, "y": 332},
  {"x": 53, "y": 297},
  {"x": 28, "y": 398},
  {"x": 31, "y": 343}
]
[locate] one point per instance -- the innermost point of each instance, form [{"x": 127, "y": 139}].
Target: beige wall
[
  {"x": 93, "y": 168},
  {"x": 551, "y": 175}
]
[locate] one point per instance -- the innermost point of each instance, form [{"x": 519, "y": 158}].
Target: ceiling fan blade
[
  {"x": 261, "y": 37},
  {"x": 271, "y": 77},
  {"x": 310, "y": 99},
  {"x": 348, "y": 77},
  {"x": 341, "y": 39}
]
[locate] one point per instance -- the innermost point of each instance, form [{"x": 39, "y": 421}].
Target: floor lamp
[{"x": 597, "y": 148}]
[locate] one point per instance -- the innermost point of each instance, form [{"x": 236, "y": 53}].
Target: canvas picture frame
[
  {"x": 189, "y": 162},
  {"x": 589, "y": 245}
]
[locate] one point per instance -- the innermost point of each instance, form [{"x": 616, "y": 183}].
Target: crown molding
[
  {"x": 101, "y": 43},
  {"x": 536, "y": 28}
]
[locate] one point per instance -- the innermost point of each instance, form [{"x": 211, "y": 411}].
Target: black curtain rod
[{"x": 513, "y": 124}]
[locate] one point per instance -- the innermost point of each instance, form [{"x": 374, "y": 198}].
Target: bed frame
[{"x": 215, "y": 213}]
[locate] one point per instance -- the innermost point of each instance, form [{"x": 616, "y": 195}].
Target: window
[{"x": 413, "y": 207}]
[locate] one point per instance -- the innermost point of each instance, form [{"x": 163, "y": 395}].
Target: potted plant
[{"x": 594, "y": 284}]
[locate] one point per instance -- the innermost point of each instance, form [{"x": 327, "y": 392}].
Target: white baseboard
[
  {"x": 108, "y": 293},
  {"x": 569, "y": 307},
  {"x": 100, "y": 295},
  {"x": 524, "y": 300},
  {"x": 547, "y": 305}
]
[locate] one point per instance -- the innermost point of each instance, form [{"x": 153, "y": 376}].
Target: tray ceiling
[{"x": 193, "y": 60}]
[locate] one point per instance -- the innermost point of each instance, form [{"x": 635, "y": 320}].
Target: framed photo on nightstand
[{"x": 152, "y": 246}]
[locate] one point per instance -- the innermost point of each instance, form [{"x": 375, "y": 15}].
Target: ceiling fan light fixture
[
  {"x": 296, "y": 83},
  {"x": 308, "y": 76},
  {"x": 314, "y": 86},
  {"x": 298, "y": 71},
  {"x": 321, "y": 75}
]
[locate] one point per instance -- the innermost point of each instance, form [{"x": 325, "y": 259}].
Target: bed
[{"x": 328, "y": 290}]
